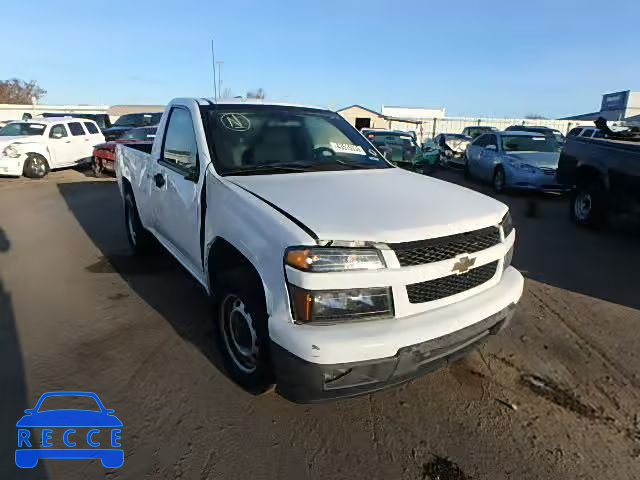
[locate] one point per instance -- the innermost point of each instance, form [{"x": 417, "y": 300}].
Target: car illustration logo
[
  {"x": 463, "y": 264},
  {"x": 69, "y": 433}
]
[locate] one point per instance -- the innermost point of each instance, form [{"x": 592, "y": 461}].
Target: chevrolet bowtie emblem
[{"x": 464, "y": 264}]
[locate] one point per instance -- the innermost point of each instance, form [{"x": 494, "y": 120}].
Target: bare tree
[
  {"x": 259, "y": 93},
  {"x": 16, "y": 91},
  {"x": 227, "y": 93}
]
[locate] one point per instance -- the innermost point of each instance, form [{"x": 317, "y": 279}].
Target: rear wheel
[
  {"x": 498, "y": 180},
  {"x": 589, "y": 205},
  {"x": 242, "y": 331},
  {"x": 35, "y": 166},
  {"x": 96, "y": 167},
  {"x": 138, "y": 236}
]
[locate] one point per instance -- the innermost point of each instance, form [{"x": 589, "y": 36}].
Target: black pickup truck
[{"x": 604, "y": 175}]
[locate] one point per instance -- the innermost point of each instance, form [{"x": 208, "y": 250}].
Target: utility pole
[
  {"x": 213, "y": 64},
  {"x": 220, "y": 62}
]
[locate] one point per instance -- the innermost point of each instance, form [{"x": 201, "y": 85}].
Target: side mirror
[
  {"x": 56, "y": 135},
  {"x": 492, "y": 148}
]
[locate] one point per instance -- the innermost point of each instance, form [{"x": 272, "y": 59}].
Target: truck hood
[
  {"x": 537, "y": 159},
  {"x": 458, "y": 145},
  {"x": 19, "y": 139},
  {"x": 387, "y": 205}
]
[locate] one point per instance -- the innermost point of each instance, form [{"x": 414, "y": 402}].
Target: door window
[
  {"x": 492, "y": 140},
  {"x": 481, "y": 141},
  {"x": 180, "y": 148},
  {"x": 58, "y": 131},
  {"x": 76, "y": 129},
  {"x": 91, "y": 128}
]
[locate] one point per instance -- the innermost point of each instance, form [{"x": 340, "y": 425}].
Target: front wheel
[
  {"x": 498, "y": 180},
  {"x": 242, "y": 331},
  {"x": 588, "y": 206},
  {"x": 35, "y": 166}
]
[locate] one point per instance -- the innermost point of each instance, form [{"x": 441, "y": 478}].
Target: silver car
[{"x": 515, "y": 160}]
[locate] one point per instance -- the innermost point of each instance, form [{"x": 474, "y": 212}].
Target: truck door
[{"x": 175, "y": 192}]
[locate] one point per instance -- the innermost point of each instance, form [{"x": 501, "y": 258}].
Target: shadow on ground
[
  {"x": 158, "y": 279},
  {"x": 14, "y": 398},
  {"x": 552, "y": 250}
]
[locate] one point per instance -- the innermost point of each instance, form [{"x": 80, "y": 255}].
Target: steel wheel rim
[
  {"x": 238, "y": 333},
  {"x": 582, "y": 206},
  {"x": 38, "y": 166}
]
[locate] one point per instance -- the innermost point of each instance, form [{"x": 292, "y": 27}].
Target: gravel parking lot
[{"x": 555, "y": 396}]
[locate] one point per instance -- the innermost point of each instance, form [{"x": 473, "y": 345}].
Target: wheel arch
[
  {"x": 222, "y": 255},
  {"x": 589, "y": 173}
]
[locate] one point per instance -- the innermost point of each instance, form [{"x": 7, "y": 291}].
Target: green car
[{"x": 401, "y": 149}]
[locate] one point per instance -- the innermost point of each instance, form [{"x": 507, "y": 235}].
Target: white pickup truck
[
  {"x": 332, "y": 272},
  {"x": 34, "y": 147}
]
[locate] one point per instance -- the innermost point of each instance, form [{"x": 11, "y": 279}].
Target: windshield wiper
[{"x": 271, "y": 168}]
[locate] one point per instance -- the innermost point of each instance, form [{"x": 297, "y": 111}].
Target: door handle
[
  {"x": 68, "y": 141},
  {"x": 158, "y": 178}
]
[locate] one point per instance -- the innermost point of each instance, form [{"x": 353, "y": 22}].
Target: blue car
[
  {"x": 27, "y": 453},
  {"x": 515, "y": 160}
]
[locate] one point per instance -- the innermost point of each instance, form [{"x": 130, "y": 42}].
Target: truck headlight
[
  {"x": 11, "y": 151},
  {"x": 335, "y": 305},
  {"x": 507, "y": 258},
  {"x": 331, "y": 259},
  {"x": 507, "y": 224}
]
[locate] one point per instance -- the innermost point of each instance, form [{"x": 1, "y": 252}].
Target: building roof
[{"x": 363, "y": 108}]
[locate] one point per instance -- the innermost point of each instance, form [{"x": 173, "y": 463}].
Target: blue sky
[{"x": 473, "y": 58}]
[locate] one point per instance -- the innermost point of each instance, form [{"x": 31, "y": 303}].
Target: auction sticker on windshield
[
  {"x": 235, "y": 121},
  {"x": 347, "y": 148}
]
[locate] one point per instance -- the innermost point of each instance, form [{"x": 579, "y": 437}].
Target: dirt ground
[{"x": 555, "y": 396}]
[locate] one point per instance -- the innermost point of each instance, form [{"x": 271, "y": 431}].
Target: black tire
[
  {"x": 242, "y": 330},
  {"x": 35, "y": 166},
  {"x": 498, "y": 181},
  {"x": 426, "y": 168},
  {"x": 96, "y": 167},
  {"x": 139, "y": 238},
  {"x": 589, "y": 205},
  {"x": 466, "y": 173}
]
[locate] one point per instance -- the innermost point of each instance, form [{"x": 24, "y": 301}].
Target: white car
[
  {"x": 32, "y": 148},
  {"x": 332, "y": 272}
]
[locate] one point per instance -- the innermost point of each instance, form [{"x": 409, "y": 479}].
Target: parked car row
[{"x": 35, "y": 146}]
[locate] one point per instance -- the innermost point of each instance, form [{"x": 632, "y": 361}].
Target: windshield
[
  {"x": 396, "y": 147},
  {"x": 138, "y": 120},
  {"x": 253, "y": 139},
  {"x": 529, "y": 143},
  {"x": 477, "y": 131},
  {"x": 66, "y": 402},
  {"x": 19, "y": 129},
  {"x": 140, "y": 134}
]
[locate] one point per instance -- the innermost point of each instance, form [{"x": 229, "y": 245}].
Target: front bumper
[
  {"x": 11, "y": 166},
  {"x": 538, "y": 181},
  {"x": 306, "y": 382},
  {"x": 456, "y": 160}
]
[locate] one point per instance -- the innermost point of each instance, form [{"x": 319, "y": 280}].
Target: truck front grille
[
  {"x": 444, "y": 248},
  {"x": 447, "y": 286}
]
